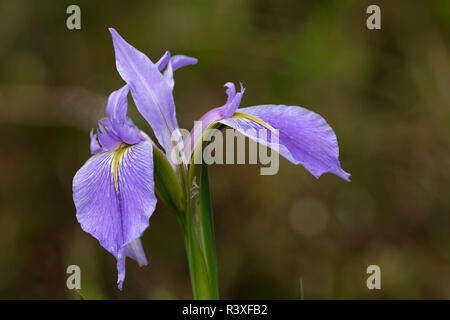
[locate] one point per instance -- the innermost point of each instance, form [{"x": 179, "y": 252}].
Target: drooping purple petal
[
  {"x": 304, "y": 136},
  {"x": 151, "y": 92},
  {"x": 114, "y": 197}
]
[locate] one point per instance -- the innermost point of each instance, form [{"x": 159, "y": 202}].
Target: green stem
[
  {"x": 191, "y": 205},
  {"x": 199, "y": 238}
]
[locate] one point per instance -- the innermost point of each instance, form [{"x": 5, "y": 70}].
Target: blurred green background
[{"x": 386, "y": 93}]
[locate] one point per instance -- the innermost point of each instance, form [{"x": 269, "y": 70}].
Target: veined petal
[
  {"x": 151, "y": 92},
  {"x": 114, "y": 197},
  {"x": 304, "y": 136}
]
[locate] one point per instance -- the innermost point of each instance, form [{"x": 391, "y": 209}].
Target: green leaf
[
  {"x": 199, "y": 227},
  {"x": 206, "y": 224},
  {"x": 199, "y": 237},
  {"x": 167, "y": 184},
  {"x": 197, "y": 267}
]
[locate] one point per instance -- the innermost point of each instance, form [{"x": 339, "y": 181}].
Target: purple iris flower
[
  {"x": 304, "y": 136},
  {"x": 114, "y": 190}
]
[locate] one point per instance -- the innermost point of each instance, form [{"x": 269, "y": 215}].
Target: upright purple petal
[
  {"x": 233, "y": 99},
  {"x": 119, "y": 126},
  {"x": 114, "y": 197},
  {"x": 168, "y": 75},
  {"x": 151, "y": 92},
  {"x": 162, "y": 62},
  {"x": 213, "y": 115},
  {"x": 117, "y": 105},
  {"x": 304, "y": 136}
]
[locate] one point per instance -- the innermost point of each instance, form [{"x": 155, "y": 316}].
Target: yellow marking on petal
[
  {"x": 116, "y": 158},
  {"x": 255, "y": 119}
]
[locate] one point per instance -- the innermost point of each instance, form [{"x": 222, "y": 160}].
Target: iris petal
[
  {"x": 117, "y": 105},
  {"x": 212, "y": 116},
  {"x": 107, "y": 137},
  {"x": 95, "y": 147},
  {"x": 133, "y": 250},
  {"x": 162, "y": 62},
  {"x": 114, "y": 196},
  {"x": 178, "y": 61},
  {"x": 151, "y": 92},
  {"x": 233, "y": 99},
  {"x": 304, "y": 136},
  {"x": 119, "y": 126}
]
